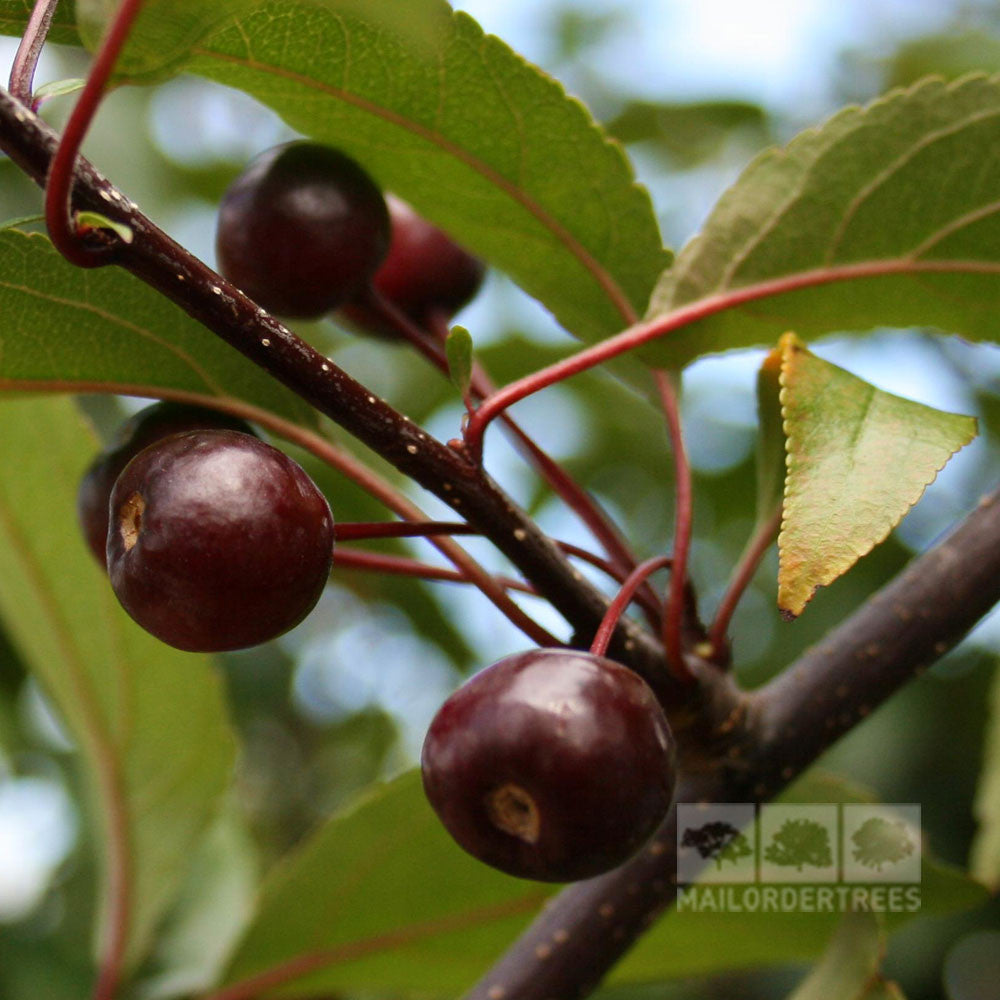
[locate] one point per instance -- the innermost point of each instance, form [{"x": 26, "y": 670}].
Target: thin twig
[
  {"x": 622, "y": 600},
  {"x": 358, "y": 531},
  {"x": 430, "y": 343},
  {"x": 673, "y": 617},
  {"x": 207, "y": 297},
  {"x": 377, "y": 562},
  {"x": 640, "y": 334},
  {"x": 743, "y": 574},
  {"x": 22, "y": 71}
]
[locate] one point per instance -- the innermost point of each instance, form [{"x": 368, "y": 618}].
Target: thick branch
[
  {"x": 204, "y": 295},
  {"x": 761, "y": 747}
]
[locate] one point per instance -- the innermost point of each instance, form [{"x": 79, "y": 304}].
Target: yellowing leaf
[{"x": 857, "y": 460}]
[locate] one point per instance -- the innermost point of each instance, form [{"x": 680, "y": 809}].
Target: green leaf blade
[
  {"x": 150, "y": 723},
  {"x": 86, "y": 331},
  {"x": 381, "y": 899},
  {"x": 479, "y": 141},
  {"x": 883, "y": 216}
]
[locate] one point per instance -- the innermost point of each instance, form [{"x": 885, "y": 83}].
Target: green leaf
[
  {"x": 849, "y": 964},
  {"x": 95, "y": 220},
  {"x": 214, "y": 905},
  {"x": 381, "y": 900},
  {"x": 985, "y": 861},
  {"x": 58, "y": 88},
  {"x": 884, "y": 216},
  {"x": 71, "y": 330},
  {"x": 689, "y": 134},
  {"x": 149, "y": 722},
  {"x": 770, "y": 439},
  {"x": 950, "y": 56},
  {"x": 687, "y": 942},
  {"x": 476, "y": 139},
  {"x": 458, "y": 348},
  {"x": 858, "y": 459}
]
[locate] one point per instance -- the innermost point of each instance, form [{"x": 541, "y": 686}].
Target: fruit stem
[
  {"x": 376, "y": 562},
  {"x": 22, "y": 70},
  {"x": 430, "y": 343},
  {"x": 62, "y": 225},
  {"x": 673, "y": 617},
  {"x": 602, "y": 637},
  {"x": 359, "y": 530},
  {"x": 646, "y": 596},
  {"x": 744, "y": 572}
]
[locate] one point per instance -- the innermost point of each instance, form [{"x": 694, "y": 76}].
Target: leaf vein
[
  {"x": 125, "y": 324},
  {"x": 887, "y": 173}
]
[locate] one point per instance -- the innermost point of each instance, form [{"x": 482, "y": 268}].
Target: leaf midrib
[{"x": 121, "y": 323}]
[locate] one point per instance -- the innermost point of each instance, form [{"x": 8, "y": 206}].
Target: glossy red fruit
[
  {"x": 148, "y": 425},
  {"x": 552, "y": 764},
  {"x": 217, "y": 541},
  {"x": 302, "y": 229},
  {"x": 424, "y": 273}
]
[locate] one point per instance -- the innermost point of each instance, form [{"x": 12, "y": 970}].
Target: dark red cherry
[
  {"x": 302, "y": 229},
  {"x": 217, "y": 541},
  {"x": 552, "y": 764},
  {"x": 424, "y": 273},
  {"x": 148, "y": 425}
]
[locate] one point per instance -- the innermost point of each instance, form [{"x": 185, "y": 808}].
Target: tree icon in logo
[
  {"x": 880, "y": 841},
  {"x": 718, "y": 841},
  {"x": 798, "y": 843}
]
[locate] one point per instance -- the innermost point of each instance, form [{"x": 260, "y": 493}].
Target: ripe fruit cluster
[
  {"x": 214, "y": 540},
  {"x": 553, "y": 765},
  {"x": 304, "y": 231}
]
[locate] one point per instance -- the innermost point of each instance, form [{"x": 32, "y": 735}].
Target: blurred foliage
[
  {"x": 298, "y": 764},
  {"x": 685, "y": 135}
]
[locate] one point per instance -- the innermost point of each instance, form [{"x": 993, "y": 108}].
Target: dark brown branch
[
  {"x": 754, "y": 752},
  {"x": 205, "y": 296}
]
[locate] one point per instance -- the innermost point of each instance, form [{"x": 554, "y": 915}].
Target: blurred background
[{"x": 693, "y": 90}]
